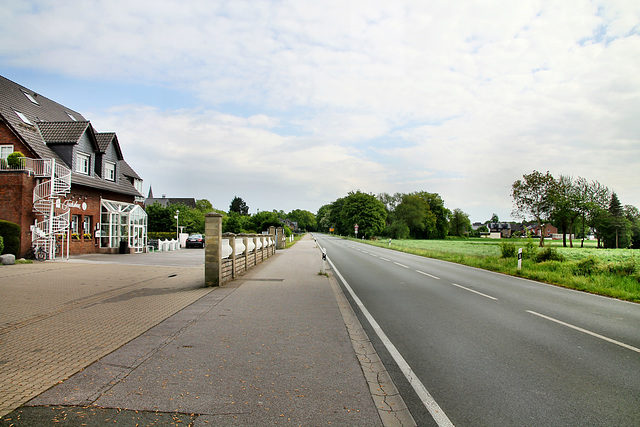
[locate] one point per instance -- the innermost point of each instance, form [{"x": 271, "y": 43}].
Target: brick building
[{"x": 73, "y": 187}]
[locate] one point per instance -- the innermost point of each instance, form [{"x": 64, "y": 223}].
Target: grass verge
[{"x": 612, "y": 273}]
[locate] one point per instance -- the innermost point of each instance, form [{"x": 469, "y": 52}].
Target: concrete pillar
[
  {"x": 213, "y": 249},
  {"x": 232, "y": 257},
  {"x": 281, "y": 238}
]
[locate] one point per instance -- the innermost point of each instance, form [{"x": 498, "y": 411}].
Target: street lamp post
[{"x": 176, "y": 217}]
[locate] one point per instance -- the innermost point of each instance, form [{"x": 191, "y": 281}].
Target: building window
[
  {"x": 31, "y": 98},
  {"x": 71, "y": 116},
  {"x": 86, "y": 224},
  {"x": 75, "y": 224},
  {"x": 23, "y": 117},
  {"x": 137, "y": 183},
  {"x": 110, "y": 171},
  {"x": 82, "y": 163},
  {"x": 5, "y": 150}
]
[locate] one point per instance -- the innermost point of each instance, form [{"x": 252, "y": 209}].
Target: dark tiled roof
[
  {"x": 126, "y": 170},
  {"x": 63, "y": 132},
  {"x": 52, "y": 123},
  {"x": 104, "y": 139}
]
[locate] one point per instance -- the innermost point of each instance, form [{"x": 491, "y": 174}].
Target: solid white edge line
[
  {"x": 427, "y": 274},
  {"x": 602, "y": 337},
  {"x": 475, "y": 292},
  {"x": 434, "y": 409},
  {"x": 401, "y": 265}
]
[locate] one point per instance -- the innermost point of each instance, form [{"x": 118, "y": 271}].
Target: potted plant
[
  {"x": 15, "y": 160},
  {"x": 87, "y": 236}
]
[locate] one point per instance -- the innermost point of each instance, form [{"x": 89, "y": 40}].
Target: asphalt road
[{"x": 491, "y": 349}]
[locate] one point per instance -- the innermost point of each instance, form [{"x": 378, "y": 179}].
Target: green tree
[
  {"x": 437, "y": 208},
  {"x": 616, "y": 228},
  {"x": 533, "y": 197},
  {"x": 459, "y": 225},
  {"x": 203, "y": 205},
  {"x": 366, "y": 211},
  {"x": 261, "y": 221},
  {"x": 305, "y": 219},
  {"x": 239, "y": 206},
  {"x": 235, "y": 223},
  {"x": 633, "y": 216},
  {"x": 160, "y": 218},
  {"x": 323, "y": 218},
  {"x": 415, "y": 214}
]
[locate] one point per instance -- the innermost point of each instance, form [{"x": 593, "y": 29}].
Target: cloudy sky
[{"x": 292, "y": 104}]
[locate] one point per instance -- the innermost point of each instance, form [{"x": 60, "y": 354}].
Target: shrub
[
  {"x": 10, "y": 233},
  {"x": 508, "y": 249},
  {"x": 1, "y": 244},
  {"x": 625, "y": 268},
  {"x": 530, "y": 250},
  {"x": 549, "y": 254},
  {"x": 587, "y": 266},
  {"x": 13, "y": 159}
]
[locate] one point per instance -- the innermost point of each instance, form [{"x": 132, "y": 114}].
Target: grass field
[{"x": 609, "y": 272}]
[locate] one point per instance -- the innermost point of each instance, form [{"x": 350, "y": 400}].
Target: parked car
[{"x": 195, "y": 241}]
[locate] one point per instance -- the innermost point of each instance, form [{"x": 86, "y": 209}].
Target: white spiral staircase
[{"x": 48, "y": 202}]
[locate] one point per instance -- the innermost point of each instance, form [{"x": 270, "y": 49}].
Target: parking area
[{"x": 192, "y": 257}]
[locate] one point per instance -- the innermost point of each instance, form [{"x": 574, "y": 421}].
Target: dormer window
[
  {"x": 31, "y": 98},
  {"x": 71, "y": 116},
  {"x": 109, "y": 171},
  {"x": 23, "y": 117},
  {"x": 83, "y": 161}
]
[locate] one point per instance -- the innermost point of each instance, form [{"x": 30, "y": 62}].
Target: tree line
[
  {"x": 577, "y": 204},
  {"x": 418, "y": 215},
  {"x": 161, "y": 219}
]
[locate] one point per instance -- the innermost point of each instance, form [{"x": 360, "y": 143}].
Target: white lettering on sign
[{"x": 73, "y": 204}]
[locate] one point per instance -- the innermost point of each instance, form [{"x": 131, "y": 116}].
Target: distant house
[
  {"x": 293, "y": 225},
  {"x": 548, "y": 230},
  {"x": 501, "y": 228},
  {"x": 73, "y": 184}
]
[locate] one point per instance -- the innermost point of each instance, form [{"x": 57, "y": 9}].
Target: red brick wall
[
  {"x": 7, "y": 137},
  {"x": 16, "y": 191}
]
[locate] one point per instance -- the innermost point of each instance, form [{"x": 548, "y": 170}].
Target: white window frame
[
  {"x": 75, "y": 224},
  {"x": 86, "y": 224},
  {"x": 23, "y": 117},
  {"x": 5, "y": 150},
  {"x": 83, "y": 163},
  {"x": 30, "y": 98},
  {"x": 71, "y": 116},
  {"x": 109, "y": 171}
]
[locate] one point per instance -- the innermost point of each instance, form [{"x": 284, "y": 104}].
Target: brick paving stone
[{"x": 59, "y": 317}]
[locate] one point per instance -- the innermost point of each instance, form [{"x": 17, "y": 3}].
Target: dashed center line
[
  {"x": 593, "y": 334},
  {"x": 475, "y": 292},
  {"x": 401, "y": 265},
  {"x": 384, "y": 259},
  {"x": 427, "y": 274}
]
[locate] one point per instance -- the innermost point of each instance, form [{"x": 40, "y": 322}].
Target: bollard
[
  {"x": 324, "y": 260},
  {"x": 519, "y": 258}
]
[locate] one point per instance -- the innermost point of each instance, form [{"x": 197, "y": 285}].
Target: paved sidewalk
[{"x": 270, "y": 347}]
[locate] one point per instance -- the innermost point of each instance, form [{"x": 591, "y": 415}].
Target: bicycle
[{"x": 36, "y": 252}]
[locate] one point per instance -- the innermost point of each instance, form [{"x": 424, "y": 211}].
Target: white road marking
[
  {"x": 373, "y": 255},
  {"x": 427, "y": 274},
  {"x": 384, "y": 259},
  {"x": 401, "y": 265},
  {"x": 593, "y": 334},
  {"x": 434, "y": 409},
  {"x": 475, "y": 292}
]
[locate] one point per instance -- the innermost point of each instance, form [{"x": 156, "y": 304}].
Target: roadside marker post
[
  {"x": 324, "y": 259},
  {"x": 519, "y": 259}
]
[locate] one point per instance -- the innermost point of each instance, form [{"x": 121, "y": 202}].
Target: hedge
[
  {"x": 10, "y": 233},
  {"x": 1, "y": 244}
]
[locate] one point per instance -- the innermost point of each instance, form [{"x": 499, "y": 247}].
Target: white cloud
[{"x": 460, "y": 99}]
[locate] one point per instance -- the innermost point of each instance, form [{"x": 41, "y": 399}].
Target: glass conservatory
[{"x": 123, "y": 225}]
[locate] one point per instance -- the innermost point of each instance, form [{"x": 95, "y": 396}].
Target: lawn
[{"x": 609, "y": 272}]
